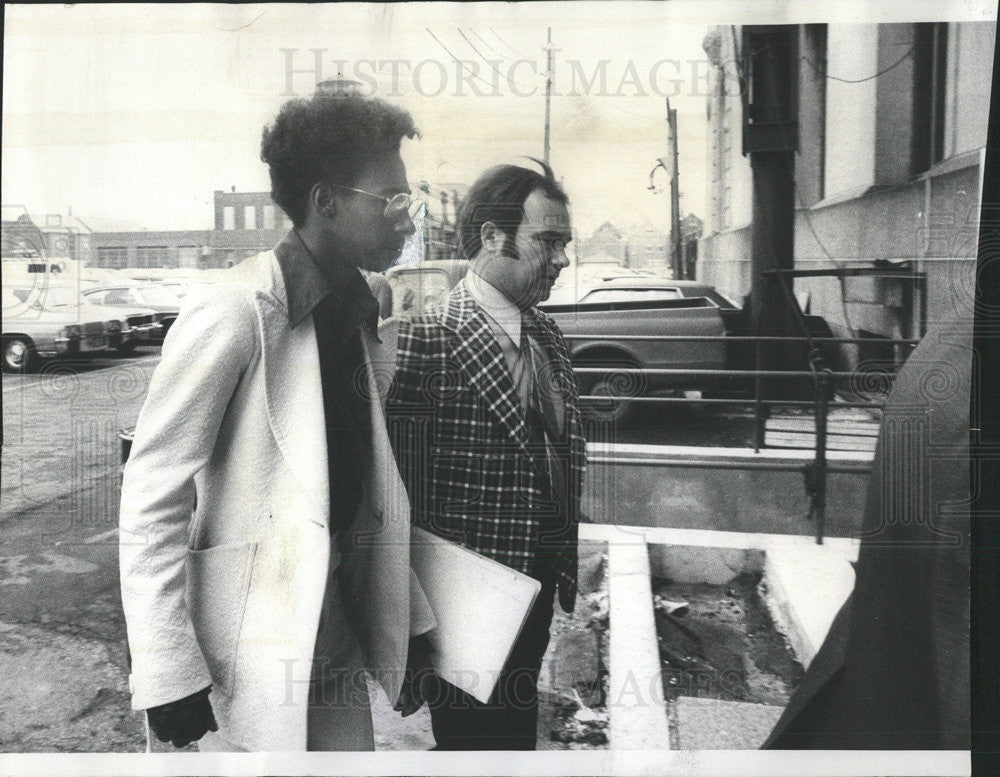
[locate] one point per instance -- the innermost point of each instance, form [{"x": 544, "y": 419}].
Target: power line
[
  {"x": 487, "y": 45},
  {"x": 505, "y": 43},
  {"x": 894, "y": 65},
  {"x": 508, "y": 79},
  {"x": 639, "y": 114},
  {"x": 462, "y": 64}
]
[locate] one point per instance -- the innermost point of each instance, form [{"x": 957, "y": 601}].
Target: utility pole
[
  {"x": 549, "y": 51},
  {"x": 770, "y": 139},
  {"x": 675, "y": 197}
]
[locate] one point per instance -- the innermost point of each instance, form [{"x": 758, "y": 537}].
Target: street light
[
  {"x": 661, "y": 162},
  {"x": 677, "y": 270}
]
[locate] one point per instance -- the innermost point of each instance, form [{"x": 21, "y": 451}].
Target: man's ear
[
  {"x": 322, "y": 200},
  {"x": 491, "y": 236}
]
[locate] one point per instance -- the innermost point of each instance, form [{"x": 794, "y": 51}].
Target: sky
[{"x": 138, "y": 113}]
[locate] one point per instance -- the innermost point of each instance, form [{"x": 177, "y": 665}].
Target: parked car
[
  {"x": 621, "y": 288},
  {"x": 416, "y": 288},
  {"x": 42, "y": 323},
  {"x": 603, "y": 310},
  {"x": 594, "y": 331},
  {"x": 135, "y": 326},
  {"x": 127, "y": 327},
  {"x": 177, "y": 288},
  {"x": 165, "y": 304}
]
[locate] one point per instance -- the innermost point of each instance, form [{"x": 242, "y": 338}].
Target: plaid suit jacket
[{"x": 462, "y": 445}]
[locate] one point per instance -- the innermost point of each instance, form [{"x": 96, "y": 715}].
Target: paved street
[{"x": 61, "y": 627}]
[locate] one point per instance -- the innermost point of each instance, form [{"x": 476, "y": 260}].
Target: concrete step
[
  {"x": 807, "y": 440},
  {"x": 805, "y": 586},
  {"x": 851, "y": 427},
  {"x": 713, "y": 724},
  {"x": 843, "y": 433},
  {"x": 649, "y": 485}
]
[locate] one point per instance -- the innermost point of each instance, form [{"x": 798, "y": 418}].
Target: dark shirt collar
[{"x": 309, "y": 282}]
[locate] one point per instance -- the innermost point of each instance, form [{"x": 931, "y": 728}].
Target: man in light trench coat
[{"x": 264, "y": 525}]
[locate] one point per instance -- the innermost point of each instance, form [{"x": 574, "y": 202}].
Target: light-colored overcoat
[{"x": 225, "y": 548}]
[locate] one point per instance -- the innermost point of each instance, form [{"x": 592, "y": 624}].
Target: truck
[{"x": 595, "y": 315}]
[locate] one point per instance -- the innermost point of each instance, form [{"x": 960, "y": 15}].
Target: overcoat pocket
[{"x": 218, "y": 580}]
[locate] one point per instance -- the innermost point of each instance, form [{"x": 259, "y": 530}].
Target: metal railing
[{"x": 824, "y": 382}]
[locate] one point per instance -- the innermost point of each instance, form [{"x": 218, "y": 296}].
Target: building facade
[
  {"x": 608, "y": 245},
  {"x": 892, "y": 125},
  {"x": 246, "y": 223},
  {"x": 636, "y": 246},
  {"x": 51, "y": 235},
  {"x": 21, "y": 235}
]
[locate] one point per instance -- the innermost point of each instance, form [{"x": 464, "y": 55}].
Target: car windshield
[
  {"x": 630, "y": 295},
  {"x": 417, "y": 291},
  {"x": 718, "y": 299},
  {"x": 58, "y": 297},
  {"x": 157, "y": 295},
  {"x": 51, "y": 297}
]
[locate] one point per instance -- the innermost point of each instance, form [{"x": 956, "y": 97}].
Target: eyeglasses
[{"x": 395, "y": 206}]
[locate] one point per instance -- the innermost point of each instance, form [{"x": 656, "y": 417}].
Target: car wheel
[
  {"x": 611, "y": 384},
  {"x": 18, "y": 354},
  {"x": 127, "y": 348}
]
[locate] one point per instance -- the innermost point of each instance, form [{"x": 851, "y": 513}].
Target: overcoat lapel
[
  {"x": 375, "y": 567},
  {"x": 291, "y": 369}
]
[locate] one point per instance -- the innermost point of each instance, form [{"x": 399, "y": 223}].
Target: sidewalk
[{"x": 571, "y": 660}]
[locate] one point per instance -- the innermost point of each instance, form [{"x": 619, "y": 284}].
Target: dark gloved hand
[
  {"x": 184, "y": 721},
  {"x": 419, "y": 680}
]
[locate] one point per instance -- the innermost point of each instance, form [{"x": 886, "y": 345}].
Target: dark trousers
[{"x": 509, "y": 720}]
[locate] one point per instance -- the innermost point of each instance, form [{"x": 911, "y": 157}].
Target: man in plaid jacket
[{"x": 487, "y": 432}]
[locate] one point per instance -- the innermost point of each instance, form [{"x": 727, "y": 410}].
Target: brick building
[{"x": 246, "y": 223}]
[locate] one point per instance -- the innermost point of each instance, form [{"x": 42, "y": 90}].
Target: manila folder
[{"x": 480, "y": 606}]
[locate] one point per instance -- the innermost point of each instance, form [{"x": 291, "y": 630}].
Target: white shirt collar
[{"x": 496, "y": 305}]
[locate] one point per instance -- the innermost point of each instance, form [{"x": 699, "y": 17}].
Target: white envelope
[{"x": 480, "y": 606}]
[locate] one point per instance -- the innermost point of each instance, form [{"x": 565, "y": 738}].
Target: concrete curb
[
  {"x": 635, "y": 697},
  {"x": 805, "y": 583}
]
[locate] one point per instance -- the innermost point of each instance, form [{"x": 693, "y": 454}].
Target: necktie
[
  {"x": 527, "y": 384},
  {"x": 539, "y": 418}
]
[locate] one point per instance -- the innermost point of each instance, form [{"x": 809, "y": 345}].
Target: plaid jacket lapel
[
  {"x": 560, "y": 371},
  {"x": 478, "y": 355},
  {"x": 563, "y": 385}
]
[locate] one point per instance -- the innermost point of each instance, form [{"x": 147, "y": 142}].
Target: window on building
[
  {"x": 930, "y": 55},
  {"x": 250, "y": 217},
  {"x": 187, "y": 256},
  {"x": 112, "y": 258},
  {"x": 151, "y": 256},
  {"x": 228, "y": 217},
  {"x": 269, "y": 217}
]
